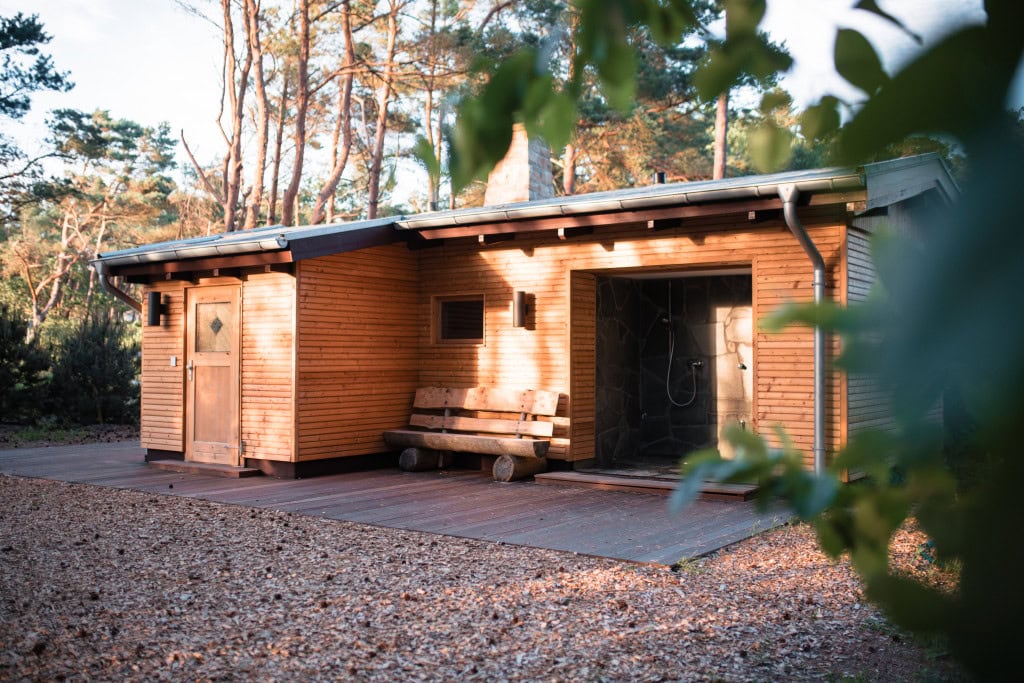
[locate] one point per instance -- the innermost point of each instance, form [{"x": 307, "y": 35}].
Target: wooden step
[
  {"x": 661, "y": 486},
  {"x": 211, "y": 468}
]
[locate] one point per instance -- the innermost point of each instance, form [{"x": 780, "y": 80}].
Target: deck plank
[{"x": 617, "y": 524}]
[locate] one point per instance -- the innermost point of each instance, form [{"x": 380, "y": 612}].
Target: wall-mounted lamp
[
  {"x": 154, "y": 309},
  {"x": 520, "y": 309}
]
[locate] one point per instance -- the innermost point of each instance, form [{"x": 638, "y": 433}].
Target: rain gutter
[
  {"x": 115, "y": 291},
  {"x": 202, "y": 249},
  {"x": 789, "y": 194},
  {"x": 603, "y": 203},
  {"x": 205, "y": 248}
]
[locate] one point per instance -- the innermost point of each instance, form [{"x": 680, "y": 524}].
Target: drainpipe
[
  {"x": 115, "y": 291},
  {"x": 789, "y": 194}
]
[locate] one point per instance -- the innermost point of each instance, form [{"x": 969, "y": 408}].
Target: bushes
[
  {"x": 87, "y": 376},
  {"x": 24, "y": 370},
  {"x": 94, "y": 375}
]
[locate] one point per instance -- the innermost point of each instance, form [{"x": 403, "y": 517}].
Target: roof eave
[
  {"x": 301, "y": 242},
  {"x": 896, "y": 180},
  {"x": 680, "y": 196},
  {"x": 173, "y": 253}
]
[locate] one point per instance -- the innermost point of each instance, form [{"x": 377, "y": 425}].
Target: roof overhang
[
  {"x": 854, "y": 190},
  {"x": 263, "y": 246},
  {"x": 897, "y": 180},
  {"x": 637, "y": 201}
]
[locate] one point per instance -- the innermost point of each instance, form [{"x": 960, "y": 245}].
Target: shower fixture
[{"x": 694, "y": 363}]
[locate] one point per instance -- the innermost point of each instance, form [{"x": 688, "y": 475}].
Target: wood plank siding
[
  {"x": 268, "y": 377},
  {"x": 555, "y": 350},
  {"x": 162, "y": 422},
  {"x": 583, "y": 358},
  {"x": 332, "y": 356},
  {"x": 356, "y": 359},
  {"x": 867, "y": 406},
  {"x": 266, "y": 368}
]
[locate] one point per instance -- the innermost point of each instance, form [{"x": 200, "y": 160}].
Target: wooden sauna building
[{"x": 292, "y": 349}]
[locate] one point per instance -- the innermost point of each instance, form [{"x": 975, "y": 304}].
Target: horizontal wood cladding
[
  {"x": 867, "y": 405},
  {"x": 541, "y": 354},
  {"x": 356, "y": 352},
  {"x": 582, "y": 353},
  {"x": 162, "y": 416},
  {"x": 268, "y": 380}
]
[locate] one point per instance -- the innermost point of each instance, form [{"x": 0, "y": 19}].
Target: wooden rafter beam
[
  {"x": 664, "y": 223},
  {"x": 163, "y": 268},
  {"x": 495, "y": 238},
  {"x": 643, "y": 216},
  {"x": 568, "y": 233}
]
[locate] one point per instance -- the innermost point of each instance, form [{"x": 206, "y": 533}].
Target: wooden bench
[{"x": 507, "y": 423}]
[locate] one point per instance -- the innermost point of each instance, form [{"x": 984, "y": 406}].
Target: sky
[
  {"x": 144, "y": 60},
  {"x": 808, "y": 29},
  {"x": 152, "y": 61}
]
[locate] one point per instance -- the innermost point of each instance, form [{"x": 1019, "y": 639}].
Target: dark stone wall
[
  {"x": 620, "y": 317},
  {"x": 636, "y": 422}
]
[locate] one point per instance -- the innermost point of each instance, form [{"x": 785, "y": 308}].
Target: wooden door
[{"x": 212, "y": 382}]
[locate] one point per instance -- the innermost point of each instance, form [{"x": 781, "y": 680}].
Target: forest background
[{"x": 323, "y": 106}]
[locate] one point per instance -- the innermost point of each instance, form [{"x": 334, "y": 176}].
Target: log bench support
[
  {"x": 514, "y": 468},
  {"x": 416, "y": 459},
  {"x": 507, "y": 423}
]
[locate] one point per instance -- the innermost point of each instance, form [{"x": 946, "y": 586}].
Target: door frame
[
  {"x": 582, "y": 338},
  {"x": 229, "y": 452}
]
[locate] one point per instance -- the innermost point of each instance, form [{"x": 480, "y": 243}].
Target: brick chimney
[{"x": 524, "y": 173}]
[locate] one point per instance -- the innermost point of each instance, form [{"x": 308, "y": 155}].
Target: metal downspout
[
  {"x": 789, "y": 195},
  {"x": 115, "y": 291}
]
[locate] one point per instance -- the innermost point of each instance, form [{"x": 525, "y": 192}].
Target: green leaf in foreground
[{"x": 857, "y": 61}]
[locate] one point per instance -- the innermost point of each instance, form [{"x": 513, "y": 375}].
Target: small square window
[{"x": 461, "y": 319}]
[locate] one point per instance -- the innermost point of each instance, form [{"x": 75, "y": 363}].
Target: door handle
[{"x": 190, "y": 369}]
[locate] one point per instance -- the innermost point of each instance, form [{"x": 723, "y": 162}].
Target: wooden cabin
[{"x": 292, "y": 349}]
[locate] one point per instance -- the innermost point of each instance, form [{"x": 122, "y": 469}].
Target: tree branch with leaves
[{"x": 940, "y": 321}]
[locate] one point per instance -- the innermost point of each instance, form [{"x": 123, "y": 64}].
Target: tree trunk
[
  {"x": 569, "y": 169},
  {"x": 275, "y": 173},
  {"x": 428, "y": 111},
  {"x": 383, "y": 102},
  {"x": 438, "y": 147},
  {"x": 252, "y": 26},
  {"x": 569, "y": 156},
  {"x": 92, "y": 271},
  {"x": 721, "y": 129},
  {"x": 66, "y": 258},
  {"x": 433, "y": 181},
  {"x": 324, "y": 206},
  {"x": 327, "y": 192},
  {"x": 236, "y": 101},
  {"x": 291, "y": 194}
]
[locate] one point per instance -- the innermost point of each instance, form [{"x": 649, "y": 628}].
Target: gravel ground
[
  {"x": 15, "y": 436},
  {"x": 106, "y": 584}
]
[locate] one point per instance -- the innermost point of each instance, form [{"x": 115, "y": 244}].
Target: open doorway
[{"x": 674, "y": 365}]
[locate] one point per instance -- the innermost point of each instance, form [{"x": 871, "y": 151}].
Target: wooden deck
[{"x": 614, "y": 524}]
